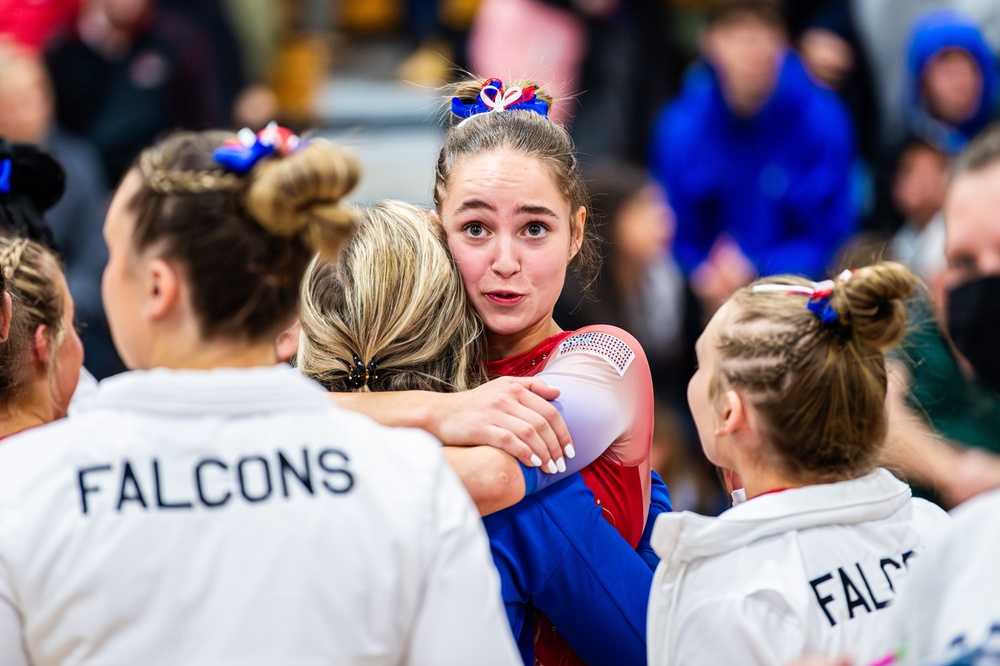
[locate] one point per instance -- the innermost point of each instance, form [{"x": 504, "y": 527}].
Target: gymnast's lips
[{"x": 504, "y": 298}]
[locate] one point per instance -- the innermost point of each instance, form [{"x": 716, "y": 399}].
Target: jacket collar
[
  {"x": 203, "y": 392},
  {"x": 682, "y": 537}
]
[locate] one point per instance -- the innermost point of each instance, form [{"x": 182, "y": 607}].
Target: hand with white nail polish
[{"x": 513, "y": 414}]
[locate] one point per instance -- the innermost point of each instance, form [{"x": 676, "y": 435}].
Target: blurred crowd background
[{"x": 722, "y": 140}]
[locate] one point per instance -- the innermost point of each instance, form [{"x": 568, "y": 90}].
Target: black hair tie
[{"x": 361, "y": 373}]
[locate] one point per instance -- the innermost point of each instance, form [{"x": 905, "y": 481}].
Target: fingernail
[
  {"x": 569, "y": 451},
  {"x": 561, "y": 464},
  {"x": 535, "y": 460},
  {"x": 552, "y": 467}
]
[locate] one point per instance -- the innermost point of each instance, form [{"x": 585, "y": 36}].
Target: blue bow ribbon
[
  {"x": 822, "y": 308},
  {"x": 5, "y": 170},
  {"x": 241, "y": 155},
  {"x": 494, "y": 98}
]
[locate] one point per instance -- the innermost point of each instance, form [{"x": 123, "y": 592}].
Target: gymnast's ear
[
  {"x": 288, "y": 343},
  {"x": 576, "y": 224},
  {"x": 6, "y": 312},
  {"x": 163, "y": 289},
  {"x": 733, "y": 415}
]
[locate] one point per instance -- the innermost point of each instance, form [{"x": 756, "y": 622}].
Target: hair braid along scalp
[
  {"x": 10, "y": 257},
  {"x": 165, "y": 181},
  {"x": 531, "y": 135},
  {"x": 33, "y": 279},
  {"x": 818, "y": 388}
]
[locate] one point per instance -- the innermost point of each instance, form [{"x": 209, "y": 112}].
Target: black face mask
[{"x": 974, "y": 326}]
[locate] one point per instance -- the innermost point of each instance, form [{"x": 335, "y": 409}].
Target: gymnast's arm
[
  {"x": 599, "y": 402},
  {"x": 603, "y": 396},
  {"x": 556, "y": 551},
  {"x": 510, "y": 413},
  {"x": 492, "y": 478}
]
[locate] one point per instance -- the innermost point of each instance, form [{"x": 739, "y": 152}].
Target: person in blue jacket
[
  {"x": 953, "y": 80},
  {"x": 755, "y": 156},
  {"x": 555, "y": 552}
]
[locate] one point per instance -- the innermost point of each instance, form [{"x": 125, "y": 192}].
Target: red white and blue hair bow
[
  {"x": 819, "y": 295},
  {"x": 495, "y": 98},
  {"x": 242, "y": 153}
]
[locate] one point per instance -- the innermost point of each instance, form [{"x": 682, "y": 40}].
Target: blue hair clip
[
  {"x": 819, "y": 296},
  {"x": 822, "y": 308},
  {"x": 819, "y": 302},
  {"x": 494, "y": 98},
  {"x": 6, "y": 166},
  {"x": 241, "y": 154}
]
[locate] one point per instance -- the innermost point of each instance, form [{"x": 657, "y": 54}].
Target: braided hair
[
  {"x": 244, "y": 239},
  {"x": 818, "y": 386}
]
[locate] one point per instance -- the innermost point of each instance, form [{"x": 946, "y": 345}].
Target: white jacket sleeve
[
  {"x": 731, "y": 630},
  {"x": 460, "y": 619},
  {"x": 12, "y": 651}
]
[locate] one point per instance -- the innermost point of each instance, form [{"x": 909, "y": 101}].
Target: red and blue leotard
[{"x": 606, "y": 400}]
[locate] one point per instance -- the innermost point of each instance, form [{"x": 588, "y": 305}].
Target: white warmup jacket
[
  {"x": 950, "y": 609},
  {"x": 804, "y": 571},
  {"x": 237, "y": 517}
]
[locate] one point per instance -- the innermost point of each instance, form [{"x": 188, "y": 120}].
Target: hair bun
[
  {"x": 37, "y": 175},
  {"x": 300, "y": 194},
  {"x": 871, "y": 303},
  {"x": 37, "y": 182}
]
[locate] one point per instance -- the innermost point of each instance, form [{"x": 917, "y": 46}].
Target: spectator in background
[
  {"x": 973, "y": 248},
  {"x": 756, "y": 158},
  {"x": 26, "y": 116},
  {"x": 937, "y": 412},
  {"x": 131, "y": 72},
  {"x": 918, "y": 193},
  {"x": 211, "y": 17},
  {"x": 962, "y": 411},
  {"x": 951, "y": 609},
  {"x": 883, "y": 28},
  {"x": 246, "y": 98},
  {"x": 953, "y": 90},
  {"x": 639, "y": 288},
  {"x": 824, "y": 33}
]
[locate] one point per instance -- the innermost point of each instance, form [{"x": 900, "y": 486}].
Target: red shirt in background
[{"x": 31, "y": 23}]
